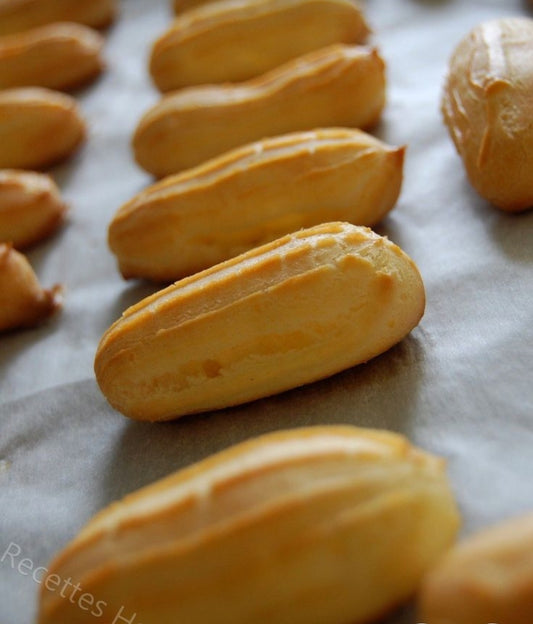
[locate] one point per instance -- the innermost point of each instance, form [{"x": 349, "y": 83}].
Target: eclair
[
  {"x": 336, "y": 86},
  {"x": 290, "y": 312},
  {"x": 252, "y": 195}
]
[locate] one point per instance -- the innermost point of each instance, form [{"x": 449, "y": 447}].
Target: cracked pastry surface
[
  {"x": 488, "y": 107},
  {"x": 252, "y": 195},
  {"x": 293, "y": 311}
]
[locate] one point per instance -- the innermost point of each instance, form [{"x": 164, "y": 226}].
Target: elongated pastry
[
  {"x": 336, "y": 86},
  {"x": 235, "y": 40},
  {"x": 19, "y": 15},
  {"x": 56, "y": 56},
  {"x": 38, "y": 128},
  {"x": 488, "y": 578},
  {"x": 301, "y": 308},
  {"x": 31, "y": 207},
  {"x": 23, "y": 303},
  {"x": 323, "y": 525},
  {"x": 488, "y": 106},
  {"x": 253, "y": 195}
]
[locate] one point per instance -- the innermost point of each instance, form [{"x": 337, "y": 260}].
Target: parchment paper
[{"x": 460, "y": 385}]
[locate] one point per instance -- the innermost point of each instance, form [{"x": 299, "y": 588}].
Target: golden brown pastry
[
  {"x": 19, "y": 15},
  {"x": 301, "y": 308},
  {"x": 322, "y": 525},
  {"x": 57, "y": 56},
  {"x": 336, "y": 86},
  {"x": 488, "y": 578},
  {"x": 252, "y": 195},
  {"x": 235, "y": 40},
  {"x": 180, "y": 6},
  {"x": 488, "y": 106},
  {"x": 31, "y": 207},
  {"x": 23, "y": 303},
  {"x": 38, "y": 128}
]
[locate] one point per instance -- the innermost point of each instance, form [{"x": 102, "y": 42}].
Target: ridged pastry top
[
  {"x": 249, "y": 39},
  {"x": 317, "y": 66},
  {"x": 496, "y": 57},
  {"x": 247, "y": 158},
  {"x": 203, "y": 17},
  {"x": 500, "y": 46},
  {"x": 263, "y": 268},
  {"x": 258, "y": 477},
  {"x": 56, "y": 32}
]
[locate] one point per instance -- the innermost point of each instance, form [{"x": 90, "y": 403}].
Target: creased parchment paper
[{"x": 461, "y": 385}]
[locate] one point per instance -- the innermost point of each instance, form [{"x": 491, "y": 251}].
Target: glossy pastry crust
[
  {"x": 20, "y": 15},
  {"x": 38, "y": 128},
  {"x": 31, "y": 207},
  {"x": 293, "y": 311},
  {"x": 23, "y": 302},
  {"x": 252, "y": 195},
  {"x": 488, "y": 106},
  {"x": 57, "y": 56},
  {"x": 337, "y": 86},
  {"x": 322, "y": 525},
  {"x": 236, "y": 40}
]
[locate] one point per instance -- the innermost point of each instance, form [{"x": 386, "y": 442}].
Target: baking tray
[{"x": 460, "y": 385}]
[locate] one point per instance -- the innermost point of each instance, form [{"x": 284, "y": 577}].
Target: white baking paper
[{"x": 460, "y": 385}]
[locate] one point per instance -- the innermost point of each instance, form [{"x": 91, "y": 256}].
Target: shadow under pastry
[{"x": 381, "y": 394}]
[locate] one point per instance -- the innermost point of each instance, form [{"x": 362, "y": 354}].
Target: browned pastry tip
[{"x": 23, "y": 303}]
